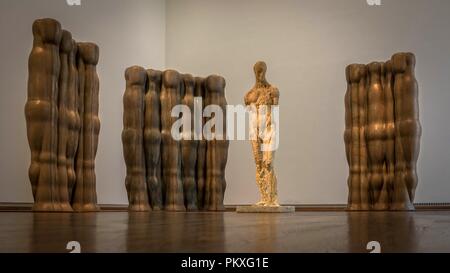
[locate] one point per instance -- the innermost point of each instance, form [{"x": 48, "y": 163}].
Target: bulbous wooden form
[
  {"x": 186, "y": 174},
  {"x": 41, "y": 111},
  {"x": 85, "y": 195},
  {"x": 132, "y": 138},
  {"x": 152, "y": 137},
  {"x": 60, "y": 103},
  {"x": 189, "y": 148},
  {"x": 382, "y": 134},
  {"x": 216, "y": 148},
  {"x": 201, "y": 145},
  {"x": 171, "y": 156}
]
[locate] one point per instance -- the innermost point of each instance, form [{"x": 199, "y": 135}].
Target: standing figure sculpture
[
  {"x": 407, "y": 131},
  {"x": 85, "y": 195},
  {"x": 189, "y": 148},
  {"x": 73, "y": 118},
  {"x": 133, "y": 140},
  {"x": 216, "y": 143},
  {"x": 260, "y": 99},
  {"x": 41, "y": 111},
  {"x": 201, "y": 144},
  {"x": 152, "y": 138},
  {"x": 63, "y": 119},
  {"x": 170, "y": 148}
]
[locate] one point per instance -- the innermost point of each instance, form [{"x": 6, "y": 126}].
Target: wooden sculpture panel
[
  {"x": 62, "y": 119},
  {"x": 180, "y": 174},
  {"x": 382, "y": 134}
]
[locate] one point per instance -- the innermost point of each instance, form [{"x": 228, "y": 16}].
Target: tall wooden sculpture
[
  {"x": 152, "y": 138},
  {"x": 180, "y": 175},
  {"x": 73, "y": 117},
  {"x": 85, "y": 196},
  {"x": 54, "y": 115},
  {"x": 189, "y": 148},
  {"x": 41, "y": 112},
  {"x": 382, "y": 134},
  {"x": 217, "y": 147},
  {"x": 132, "y": 138},
  {"x": 171, "y": 153},
  {"x": 201, "y": 145}
]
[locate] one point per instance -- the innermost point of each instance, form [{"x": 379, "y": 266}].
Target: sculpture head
[
  {"x": 135, "y": 75},
  {"x": 66, "y": 42},
  {"x": 388, "y": 66},
  {"x": 410, "y": 60},
  {"x": 375, "y": 69},
  {"x": 354, "y": 73},
  {"x": 89, "y": 52},
  {"x": 399, "y": 63},
  {"x": 47, "y": 30},
  {"x": 260, "y": 69},
  {"x": 215, "y": 83},
  {"x": 154, "y": 77}
]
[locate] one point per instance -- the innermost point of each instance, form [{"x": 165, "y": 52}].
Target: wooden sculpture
[
  {"x": 41, "y": 111},
  {"x": 186, "y": 173},
  {"x": 201, "y": 146},
  {"x": 85, "y": 196},
  {"x": 382, "y": 134},
  {"x": 73, "y": 116},
  {"x": 62, "y": 169},
  {"x": 63, "y": 119},
  {"x": 216, "y": 148},
  {"x": 152, "y": 138},
  {"x": 132, "y": 138},
  {"x": 170, "y": 152},
  {"x": 189, "y": 148}
]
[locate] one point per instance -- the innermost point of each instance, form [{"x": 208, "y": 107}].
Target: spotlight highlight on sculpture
[
  {"x": 259, "y": 100},
  {"x": 62, "y": 119},
  {"x": 382, "y": 134}
]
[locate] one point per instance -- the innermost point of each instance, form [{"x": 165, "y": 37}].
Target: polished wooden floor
[{"x": 424, "y": 231}]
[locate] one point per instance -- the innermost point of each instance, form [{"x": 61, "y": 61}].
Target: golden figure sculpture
[
  {"x": 382, "y": 134},
  {"x": 260, "y": 99}
]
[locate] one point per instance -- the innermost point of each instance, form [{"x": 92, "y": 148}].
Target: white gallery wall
[
  {"x": 127, "y": 32},
  {"x": 306, "y": 44}
]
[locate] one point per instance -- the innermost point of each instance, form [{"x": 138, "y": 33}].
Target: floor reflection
[
  {"x": 395, "y": 231},
  {"x": 175, "y": 232}
]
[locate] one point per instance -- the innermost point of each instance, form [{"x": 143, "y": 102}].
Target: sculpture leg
[
  {"x": 189, "y": 157},
  {"x": 153, "y": 161},
  {"x": 257, "y": 154},
  {"x": 201, "y": 166},
  {"x": 410, "y": 142},
  {"x": 270, "y": 179},
  {"x": 401, "y": 199}
]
